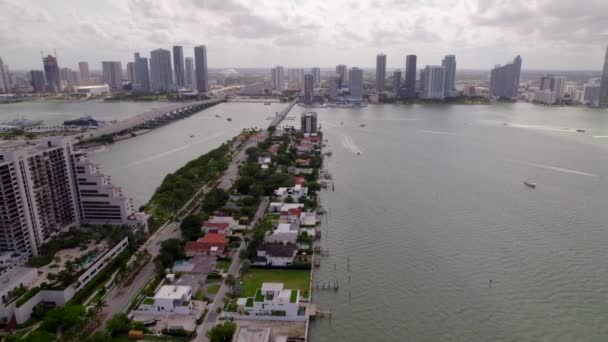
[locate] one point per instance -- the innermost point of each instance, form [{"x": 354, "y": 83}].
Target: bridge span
[{"x": 151, "y": 118}]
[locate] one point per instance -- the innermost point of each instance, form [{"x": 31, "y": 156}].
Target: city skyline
[{"x": 478, "y": 32}]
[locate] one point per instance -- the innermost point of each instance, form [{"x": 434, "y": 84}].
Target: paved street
[{"x": 118, "y": 298}]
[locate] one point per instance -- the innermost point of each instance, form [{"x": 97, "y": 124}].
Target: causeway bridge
[{"x": 150, "y": 119}]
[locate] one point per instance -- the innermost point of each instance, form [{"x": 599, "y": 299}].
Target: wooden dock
[{"x": 314, "y": 312}]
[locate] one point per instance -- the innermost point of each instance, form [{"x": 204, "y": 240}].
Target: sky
[{"x": 548, "y": 34}]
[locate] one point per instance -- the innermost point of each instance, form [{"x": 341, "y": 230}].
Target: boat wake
[
  {"x": 437, "y": 132},
  {"x": 349, "y": 144},
  {"x": 554, "y": 168},
  {"x": 169, "y": 152},
  {"x": 543, "y": 128}
]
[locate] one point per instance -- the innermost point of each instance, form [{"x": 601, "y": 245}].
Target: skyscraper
[
  {"x": 591, "y": 92},
  {"x": 66, "y": 76},
  {"x": 342, "y": 70},
  {"x": 178, "y": 66},
  {"x": 112, "y": 74},
  {"x": 449, "y": 79},
  {"x": 295, "y": 75},
  {"x": 334, "y": 85},
  {"x": 604, "y": 83},
  {"x": 161, "y": 74},
  {"x": 51, "y": 72},
  {"x": 309, "y": 121},
  {"x": 142, "y": 74},
  {"x": 396, "y": 82},
  {"x": 504, "y": 80},
  {"x": 308, "y": 87},
  {"x": 37, "y": 80},
  {"x": 131, "y": 77},
  {"x": 355, "y": 83},
  {"x": 200, "y": 62},
  {"x": 380, "y": 72},
  {"x": 432, "y": 82},
  {"x": 555, "y": 84},
  {"x": 5, "y": 83},
  {"x": 189, "y": 76},
  {"x": 316, "y": 75},
  {"x": 277, "y": 78},
  {"x": 410, "y": 76},
  {"x": 85, "y": 76}
]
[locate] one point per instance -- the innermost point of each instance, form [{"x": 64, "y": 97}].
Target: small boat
[
  {"x": 266, "y": 103},
  {"x": 328, "y": 153},
  {"x": 217, "y": 116},
  {"x": 228, "y": 119},
  {"x": 580, "y": 130},
  {"x": 362, "y": 125},
  {"x": 358, "y": 153},
  {"x": 530, "y": 184},
  {"x": 191, "y": 135}
]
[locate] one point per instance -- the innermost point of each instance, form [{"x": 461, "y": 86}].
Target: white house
[
  {"x": 275, "y": 254},
  {"x": 285, "y": 233},
  {"x": 280, "y": 206},
  {"x": 295, "y": 192},
  {"x": 273, "y": 301},
  {"x": 169, "y": 299}
]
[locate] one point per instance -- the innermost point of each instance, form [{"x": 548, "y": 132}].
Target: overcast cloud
[{"x": 549, "y": 34}]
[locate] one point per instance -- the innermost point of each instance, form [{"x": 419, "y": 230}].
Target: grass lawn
[
  {"x": 213, "y": 288},
  {"x": 223, "y": 265},
  {"x": 292, "y": 279}
]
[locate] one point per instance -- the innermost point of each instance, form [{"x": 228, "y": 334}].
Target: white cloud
[{"x": 314, "y": 32}]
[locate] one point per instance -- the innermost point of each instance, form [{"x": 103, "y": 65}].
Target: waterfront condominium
[
  {"x": 37, "y": 80},
  {"x": 316, "y": 76},
  {"x": 200, "y": 63},
  {"x": 131, "y": 72},
  {"x": 591, "y": 92},
  {"x": 410, "y": 76},
  {"x": 308, "y": 88},
  {"x": 380, "y": 72},
  {"x": 5, "y": 83},
  {"x": 51, "y": 73},
  {"x": 112, "y": 74},
  {"x": 189, "y": 76},
  {"x": 178, "y": 66},
  {"x": 309, "y": 122},
  {"x": 45, "y": 189},
  {"x": 604, "y": 83},
  {"x": 277, "y": 78},
  {"x": 37, "y": 194},
  {"x": 142, "y": 74},
  {"x": 355, "y": 84},
  {"x": 334, "y": 85},
  {"x": 432, "y": 84},
  {"x": 342, "y": 70},
  {"x": 85, "y": 76},
  {"x": 161, "y": 74},
  {"x": 556, "y": 85},
  {"x": 397, "y": 82},
  {"x": 449, "y": 78},
  {"x": 504, "y": 80}
]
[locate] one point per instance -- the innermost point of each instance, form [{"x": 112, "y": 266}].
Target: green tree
[
  {"x": 222, "y": 332},
  {"x": 39, "y": 336},
  {"x": 243, "y": 184},
  {"x": 214, "y": 200},
  {"x": 64, "y": 317},
  {"x": 119, "y": 324},
  {"x": 170, "y": 251},
  {"x": 272, "y": 129},
  {"x": 191, "y": 227}
]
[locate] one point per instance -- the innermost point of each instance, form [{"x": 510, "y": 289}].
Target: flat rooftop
[{"x": 172, "y": 291}]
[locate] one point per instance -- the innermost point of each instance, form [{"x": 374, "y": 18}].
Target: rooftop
[
  {"x": 214, "y": 238},
  {"x": 284, "y": 228},
  {"x": 279, "y": 250},
  {"x": 172, "y": 292},
  {"x": 272, "y": 287},
  {"x": 252, "y": 334}
]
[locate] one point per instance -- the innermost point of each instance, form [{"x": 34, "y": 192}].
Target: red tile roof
[
  {"x": 299, "y": 180},
  {"x": 214, "y": 238}
]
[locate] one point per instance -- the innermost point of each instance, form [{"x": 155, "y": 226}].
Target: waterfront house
[
  {"x": 273, "y": 302},
  {"x": 285, "y": 233},
  {"x": 295, "y": 192},
  {"x": 291, "y": 215},
  {"x": 275, "y": 254},
  {"x": 280, "y": 206},
  {"x": 308, "y": 219},
  {"x": 210, "y": 244},
  {"x": 299, "y": 181},
  {"x": 303, "y": 162},
  {"x": 169, "y": 299}
]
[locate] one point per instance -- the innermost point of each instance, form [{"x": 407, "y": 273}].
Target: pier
[
  {"x": 151, "y": 119},
  {"x": 280, "y": 116}
]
